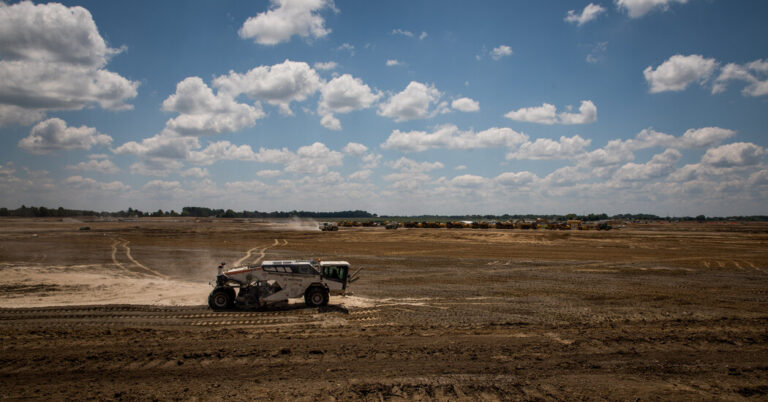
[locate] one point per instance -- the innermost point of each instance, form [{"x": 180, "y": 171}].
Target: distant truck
[
  {"x": 274, "y": 282},
  {"x": 329, "y": 226}
]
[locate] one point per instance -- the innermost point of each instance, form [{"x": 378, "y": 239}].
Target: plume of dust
[{"x": 301, "y": 224}]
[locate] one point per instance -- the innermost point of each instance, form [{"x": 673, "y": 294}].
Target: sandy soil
[{"x": 675, "y": 311}]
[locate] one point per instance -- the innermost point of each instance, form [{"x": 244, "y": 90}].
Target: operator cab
[
  {"x": 289, "y": 267},
  {"x": 336, "y": 271}
]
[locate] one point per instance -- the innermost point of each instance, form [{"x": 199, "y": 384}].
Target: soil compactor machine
[{"x": 274, "y": 282}]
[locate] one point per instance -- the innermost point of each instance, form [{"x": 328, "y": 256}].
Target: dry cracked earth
[{"x": 673, "y": 311}]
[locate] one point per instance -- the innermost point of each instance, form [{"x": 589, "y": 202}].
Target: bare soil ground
[{"x": 676, "y": 311}]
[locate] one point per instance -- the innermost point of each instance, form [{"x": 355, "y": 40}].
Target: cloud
[
  {"x": 515, "y": 178},
  {"x": 748, "y": 73},
  {"x": 408, "y": 165},
  {"x": 360, "y": 174},
  {"x": 343, "y": 94},
  {"x": 659, "y": 166},
  {"x": 620, "y": 151},
  {"x": 330, "y": 122},
  {"x": 501, "y": 51},
  {"x": 547, "y": 114},
  {"x": 393, "y": 63},
  {"x": 639, "y": 8},
  {"x": 355, "y": 149},
  {"x": 161, "y": 186},
  {"x": 677, "y": 72},
  {"x": 466, "y": 105},
  {"x": 596, "y": 53},
  {"x": 269, "y": 173},
  {"x": 402, "y": 32},
  {"x": 346, "y": 47},
  {"x": 88, "y": 184},
  {"x": 314, "y": 159},
  {"x": 590, "y": 12},
  {"x": 221, "y": 150},
  {"x": 53, "y": 58},
  {"x": 371, "y": 160},
  {"x": 545, "y": 148},
  {"x": 287, "y": 18},
  {"x": 703, "y": 137},
  {"x": 96, "y": 165},
  {"x": 203, "y": 113},
  {"x": 468, "y": 181},
  {"x": 413, "y": 102},
  {"x": 328, "y": 65},
  {"x": 449, "y": 136},
  {"x": 196, "y": 172},
  {"x": 422, "y": 35},
  {"x": 160, "y": 146},
  {"x": 54, "y": 135},
  {"x": 278, "y": 85},
  {"x": 736, "y": 154},
  {"x": 156, "y": 167}
]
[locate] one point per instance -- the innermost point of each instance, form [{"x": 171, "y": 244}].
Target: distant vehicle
[
  {"x": 274, "y": 282},
  {"x": 392, "y": 225},
  {"x": 329, "y": 226}
]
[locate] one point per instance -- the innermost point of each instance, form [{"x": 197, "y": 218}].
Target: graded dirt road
[{"x": 677, "y": 311}]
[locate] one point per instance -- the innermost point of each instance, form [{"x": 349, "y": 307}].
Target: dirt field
[{"x": 675, "y": 311}]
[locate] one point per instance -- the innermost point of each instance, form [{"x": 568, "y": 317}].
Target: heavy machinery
[
  {"x": 274, "y": 282},
  {"x": 329, "y": 226}
]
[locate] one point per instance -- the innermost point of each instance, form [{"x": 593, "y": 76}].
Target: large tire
[
  {"x": 221, "y": 299},
  {"x": 316, "y": 297}
]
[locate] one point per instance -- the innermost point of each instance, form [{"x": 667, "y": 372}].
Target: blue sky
[{"x": 398, "y": 107}]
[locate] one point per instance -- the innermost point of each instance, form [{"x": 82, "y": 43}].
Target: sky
[{"x": 396, "y": 107}]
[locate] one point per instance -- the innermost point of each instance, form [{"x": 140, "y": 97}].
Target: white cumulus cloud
[
  {"x": 355, "y": 149},
  {"x": 515, "y": 178},
  {"x": 52, "y": 57},
  {"x": 501, "y": 51},
  {"x": 547, "y": 114},
  {"x": 408, "y": 165},
  {"x": 545, "y": 148},
  {"x": 343, "y": 94},
  {"x": 54, "y": 135},
  {"x": 449, "y": 136},
  {"x": 413, "y": 102},
  {"x": 466, "y": 105},
  {"x": 735, "y": 154},
  {"x": 100, "y": 165},
  {"x": 201, "y": 112},
  {"x": 88, "y": 184},
  {"x": 279, "y": 85},
  {"x": 327, "y": 65},
  {"x": 590, "y": 12},
  {"x": 677, "y": 72},
  {"x": 754, "y": 73},
  {"x": 287, "y": 18},
  {"x": 639, "y": 8}
]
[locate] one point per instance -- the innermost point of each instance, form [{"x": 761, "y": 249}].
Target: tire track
[
  {"x": 262, "y": 253},
  {"x": 133, "y": 260},
  {"x": 114, "y": 258}
]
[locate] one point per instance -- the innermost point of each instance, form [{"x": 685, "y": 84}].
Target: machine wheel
[
  {"x": 221, "y": 299},
  {"x": 316, "y": 297}
]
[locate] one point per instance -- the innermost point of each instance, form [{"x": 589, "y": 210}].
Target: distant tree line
[
  {"x": 220, "y": 213},
  {"x": 200, "y": 212},
  {"x": 203, "y": 212}
]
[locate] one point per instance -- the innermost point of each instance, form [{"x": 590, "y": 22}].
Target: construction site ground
[{"x": 663, "y": 311}]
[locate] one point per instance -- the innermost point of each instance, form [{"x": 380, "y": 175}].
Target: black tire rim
[
  {"x": 220, "y": 300},
  {"x": 317, "y": 298}
]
